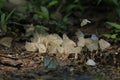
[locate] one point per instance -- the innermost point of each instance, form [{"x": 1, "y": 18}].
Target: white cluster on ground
[{"x": 54, "y": 44}]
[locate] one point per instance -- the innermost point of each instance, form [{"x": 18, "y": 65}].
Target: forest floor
[{"x": 18, "y": 64}]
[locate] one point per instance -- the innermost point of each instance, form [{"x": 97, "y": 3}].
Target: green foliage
[
  {"x": 110, "y": 36},
  {"x": 116, "y": 2},
  {"x": 20, "y": 16},
  {"x": 114, "y": 25},
  {"x": 53, "y": 3},
  {"x": 45, "y": 10},
  {"x": 44, "y": 13},
  {"x": 4, "y": 20},
  {"x": 61, "y": 27},
  {"x": 99, "y": 77},
  {"x": 40, "y": 27},
  {"x": 116, "y": 31},
  {"x": 1, "y": 4}
]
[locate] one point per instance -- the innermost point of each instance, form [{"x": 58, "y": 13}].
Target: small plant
[
  {"x": 116, "y": 31},
  {"x": 61, "y": 27},
  {"x": 44, "y": 13},
  {"x": 55, "y": 13},
  {"x": 99, "y": 77},
  {"x": 4, "y": 19}
]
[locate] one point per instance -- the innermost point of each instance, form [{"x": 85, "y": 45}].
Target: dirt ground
[{"x": 18, "y": 64}]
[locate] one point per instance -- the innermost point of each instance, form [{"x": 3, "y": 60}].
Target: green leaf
[
  {"x": 115, "y": 2},
  {"x": 118, "y": 11},
  {"x": 99, "y": 77},
  {"x": 70, "y": 7},
  {"x": 3, "y": 23},
  {"x": 20, "y": 16},
  {"x": 2, "y": 20},
  {"x": 107, "y": 35},
  {"x": 115, "y": 25},
  {"x": 9, "y": 15},
  {"x": 52, "y": 3},
  {"x": 117, "y": 30},
  {"x": 114, "y": 36},
  {"x": 44, "y": 13},
  {"x": 1, "y": 4},
  {"x": 41, "y": 27}
]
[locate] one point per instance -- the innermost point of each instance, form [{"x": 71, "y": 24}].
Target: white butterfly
[{"x": 84, "y": 22}]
